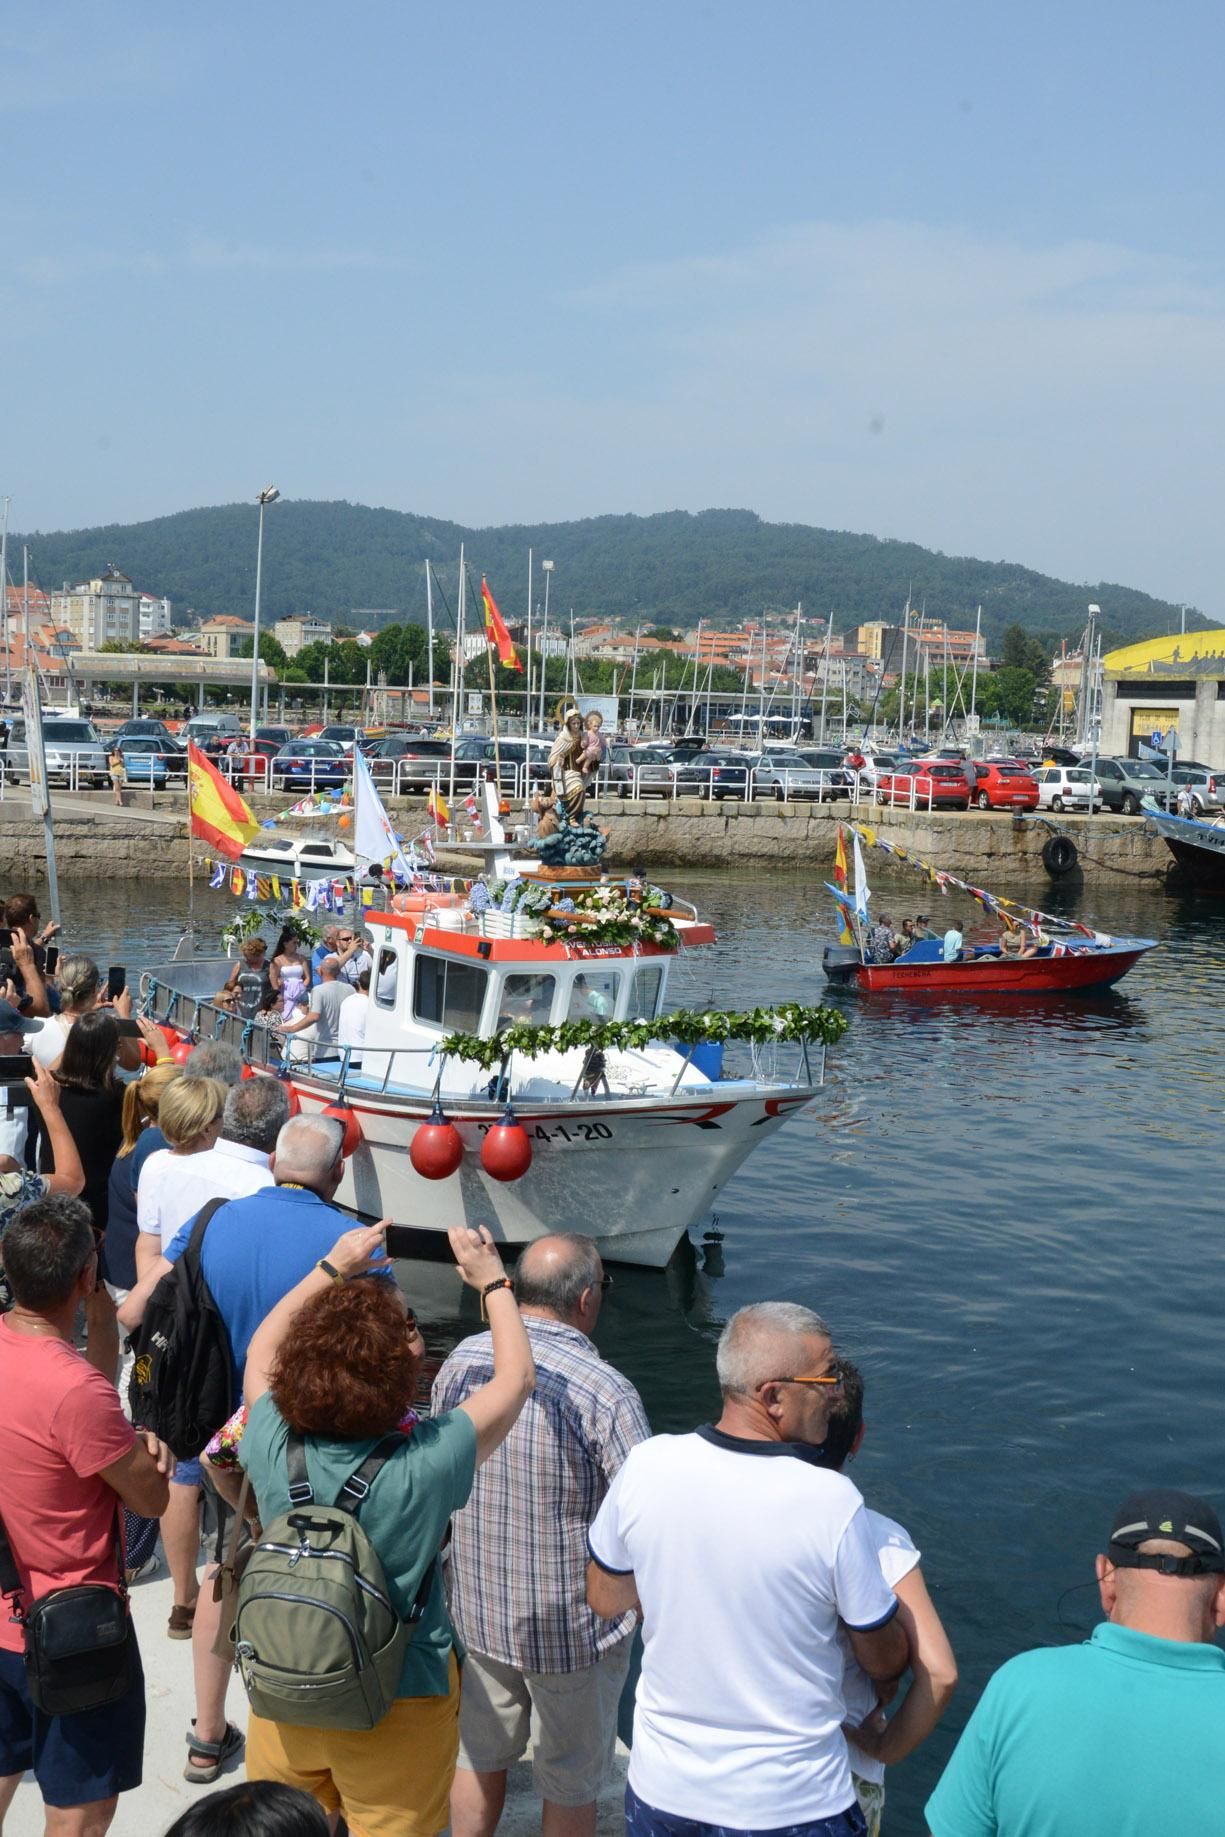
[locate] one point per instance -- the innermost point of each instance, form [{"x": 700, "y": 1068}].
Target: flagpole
[
  {"x": 429, "y": 626},
  {"x": 527, "y": 699}
]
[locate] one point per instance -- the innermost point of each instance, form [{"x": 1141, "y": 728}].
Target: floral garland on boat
[
  {"x": 789, "y": 1022},
  {"x": 581, "y": 916}
]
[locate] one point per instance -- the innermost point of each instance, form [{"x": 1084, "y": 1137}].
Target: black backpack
[{"x": 182, "y": 1383}]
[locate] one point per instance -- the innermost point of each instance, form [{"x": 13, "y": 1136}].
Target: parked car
[
  {"x": 310, "y": 765},
  {"x": 1125, "y": 781},
  {"x": 874, "y": 765},
  {"x": 272, "y": 739},
  {"x": 475, "y": 755},
  {"x": 342, "y": 733},
  {"x": 73, "y": 752},
  {"x": 1207, "y": 788},
  {"x": 673, "y": 775},
  {"x": 1067, "y": 787},
  {"x": 1061, "y": 755},
  {"x": 789, "y": 776},
  {"x": 617, "y": 772},
  {"x": 399, "y": 761},
  {"x": 142, "y": 728},
  {"x": 724, "y": 774},
  {"x": 942, "y": 783},
  {"x": 1000, "y": 784},
  {"x": 144, "y": 759},
  {"x": 208, "y": 731}
]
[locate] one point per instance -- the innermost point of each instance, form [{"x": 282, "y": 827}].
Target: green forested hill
[{"x": 722, "y": 566}]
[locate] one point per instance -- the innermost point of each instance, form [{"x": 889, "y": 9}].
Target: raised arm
[
  {"x": 69, "y": 1175},
  {"x": 495, "y": 1407}
]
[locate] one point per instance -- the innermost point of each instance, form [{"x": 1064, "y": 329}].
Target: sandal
[
  {"x": 215, "y": 1753},
  {"x": 180, "y": 1622}
]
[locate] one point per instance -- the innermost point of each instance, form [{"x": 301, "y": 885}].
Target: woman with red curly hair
[{"x": 336, "y": 1363}]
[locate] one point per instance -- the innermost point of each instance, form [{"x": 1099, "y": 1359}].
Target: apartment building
[
  {"x": 293, "y": 635},
  {"x": 222, "y": 637},
  {"x": 105, "y": 610}
]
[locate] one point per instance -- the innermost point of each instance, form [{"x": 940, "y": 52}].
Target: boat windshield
[
  {"x": 447, "y": 994},
  {"x": 526, "y": 1000},
  {"x": 594, "y": 995}
]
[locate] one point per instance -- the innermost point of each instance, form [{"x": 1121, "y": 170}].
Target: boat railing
[{"x": 392, "y": 1069}]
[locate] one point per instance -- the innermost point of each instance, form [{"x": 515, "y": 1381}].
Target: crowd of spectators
[{"x": 528, "y": 1523}]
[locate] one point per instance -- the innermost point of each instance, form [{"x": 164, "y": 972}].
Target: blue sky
[{"x": 952, "y": 273}]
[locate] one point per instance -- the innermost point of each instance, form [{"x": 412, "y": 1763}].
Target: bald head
[
  {"x": 561, "y": 1275},
  {"x": 329, "y": 969}
]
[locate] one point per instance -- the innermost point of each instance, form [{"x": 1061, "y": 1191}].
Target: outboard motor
[{"x": 839, "y": 962}]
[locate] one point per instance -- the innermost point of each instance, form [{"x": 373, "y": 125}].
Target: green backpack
[{"x": 317, "y": 1639}]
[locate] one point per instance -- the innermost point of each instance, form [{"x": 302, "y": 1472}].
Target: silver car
[
  {"x": 1207, "y": 788},
  {"x": 75, "y": 755},
  {"x": 792, "y": 775}
]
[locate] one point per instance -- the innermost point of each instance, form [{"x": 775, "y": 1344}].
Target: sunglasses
[{"x": 832, "y": 1376}]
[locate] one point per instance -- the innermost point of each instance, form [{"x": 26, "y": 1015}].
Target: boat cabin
[{"x": 428, "y": 981}]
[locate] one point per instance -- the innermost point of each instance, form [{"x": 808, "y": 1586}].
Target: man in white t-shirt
[
  {"x": 746, "y": 1556},
  {"x": 874, "y": 1741}
]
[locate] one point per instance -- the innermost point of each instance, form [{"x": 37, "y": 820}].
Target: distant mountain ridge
[{"x": 673, "y": 568}]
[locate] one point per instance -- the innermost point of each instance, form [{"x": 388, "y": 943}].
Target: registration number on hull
[{"x": 560, "y": 1132}]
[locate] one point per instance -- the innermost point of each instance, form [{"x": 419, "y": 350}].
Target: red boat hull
[{"x": 1076, "y": 969}]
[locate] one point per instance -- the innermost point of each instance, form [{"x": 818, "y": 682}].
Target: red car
[
  {"x": 941, "y": 784},
  {"x": 1003, "y": 785}
]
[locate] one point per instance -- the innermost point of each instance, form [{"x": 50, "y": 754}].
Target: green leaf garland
[{"x": 790, "y": 1022}]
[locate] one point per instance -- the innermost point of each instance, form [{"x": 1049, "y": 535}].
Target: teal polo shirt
[{"x": 1123, "y": 1736}]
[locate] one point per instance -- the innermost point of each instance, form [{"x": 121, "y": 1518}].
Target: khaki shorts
[
  {"x": 570, "y": 1718},
  {"x": 389, "y": 1781}
]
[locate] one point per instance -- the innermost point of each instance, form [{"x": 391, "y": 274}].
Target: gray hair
[
  {"x": 307, "y": 1149},
  {"x": 46, "y": 1246},
  {"x": 256, "y": 1110},
  {"x": 555, "y": 1270},
  {"x": 753, "y": 1345},
  {"x": 330, "y": 967},
  {"x": 215, "y": 1059},
  {"x": 80, "y": 980}
]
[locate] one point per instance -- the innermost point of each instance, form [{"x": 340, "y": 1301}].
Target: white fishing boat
[{"x": 298, "y": 857}]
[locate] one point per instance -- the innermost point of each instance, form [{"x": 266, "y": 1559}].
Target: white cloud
[{"x": 1055, "y": 404}]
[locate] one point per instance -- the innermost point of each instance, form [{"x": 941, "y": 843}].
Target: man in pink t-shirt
[{"x": 69, "y": 1460}]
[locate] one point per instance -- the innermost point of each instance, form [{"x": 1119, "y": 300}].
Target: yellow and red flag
[
  {"x": 496, "y": 632},
  {"x": 439, "y": 810},
  {"x": 218, "y": 815},
  {"x": 845, "y": 936}
]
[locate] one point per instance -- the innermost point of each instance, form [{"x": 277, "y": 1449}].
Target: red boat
[{"x": 1053, "y": 956}]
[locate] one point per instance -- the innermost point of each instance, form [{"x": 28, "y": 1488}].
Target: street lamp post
[{"x": 268, "y": 495}]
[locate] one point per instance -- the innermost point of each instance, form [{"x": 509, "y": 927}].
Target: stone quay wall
[{"x": 93, "y": 837}]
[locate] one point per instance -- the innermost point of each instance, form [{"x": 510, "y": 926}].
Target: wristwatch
[{"x": 329, "y": 1269}]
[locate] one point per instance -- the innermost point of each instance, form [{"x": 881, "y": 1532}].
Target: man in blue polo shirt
[
  {"x": 255, "y": 1250},
  {"x": 1121, "y": 1736}
]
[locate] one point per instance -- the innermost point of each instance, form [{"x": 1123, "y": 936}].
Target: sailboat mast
[{"x": 429, "y": 626}]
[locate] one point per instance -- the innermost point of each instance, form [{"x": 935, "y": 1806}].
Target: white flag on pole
[
  {"x": 863, "y": 892},
  {"x": 374, "y": 839}
]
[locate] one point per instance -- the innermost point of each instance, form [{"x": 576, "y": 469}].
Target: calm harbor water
[{"x": 1008, "y": 1215}]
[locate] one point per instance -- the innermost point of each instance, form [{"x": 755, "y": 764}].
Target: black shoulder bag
[{"x": 79, "y": 1642}]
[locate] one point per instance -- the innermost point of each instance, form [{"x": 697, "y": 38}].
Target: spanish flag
[
  {"x": 218, "y": 815},
  {"x": 496, "y": 632},
  {"x": 438, "y": 808},
  {"x": 846, "y": 936}
]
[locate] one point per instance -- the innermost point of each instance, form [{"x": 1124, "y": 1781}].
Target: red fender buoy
[
  {"x": 295, "y": 1103},
  {"x": 346, "y": 1116},
  {"x": 147, "y": 1055},
  {"x": 437, "y": 1148},
  {"x": 181, "y": 1052},
  {"x": 506, "y": 1152},
  {"x": 249, "y": 1071}
]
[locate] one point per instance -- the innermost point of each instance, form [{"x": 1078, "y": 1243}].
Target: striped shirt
[{"x": 517, "y": 1574}]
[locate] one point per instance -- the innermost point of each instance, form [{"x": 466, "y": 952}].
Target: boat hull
[
  {"x": 634, "y": 1176},
  {"x": 1198, "y": 848},
  {"x": 1094, "y": 968}
]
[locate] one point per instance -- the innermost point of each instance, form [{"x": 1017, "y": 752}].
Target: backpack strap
[
  {"x": 301, "y": 1492},
  {"x": 353, "y": 1493},
  {"x": 203, "y": 1216}
]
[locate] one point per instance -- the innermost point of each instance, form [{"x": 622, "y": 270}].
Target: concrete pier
[{"x": 94, "y": 838}]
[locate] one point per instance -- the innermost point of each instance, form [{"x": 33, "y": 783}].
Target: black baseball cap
[{"x": 1180, "y": 1517}]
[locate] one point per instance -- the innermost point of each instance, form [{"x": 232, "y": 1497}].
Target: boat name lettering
[{"x": 574, "y": 1132}]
